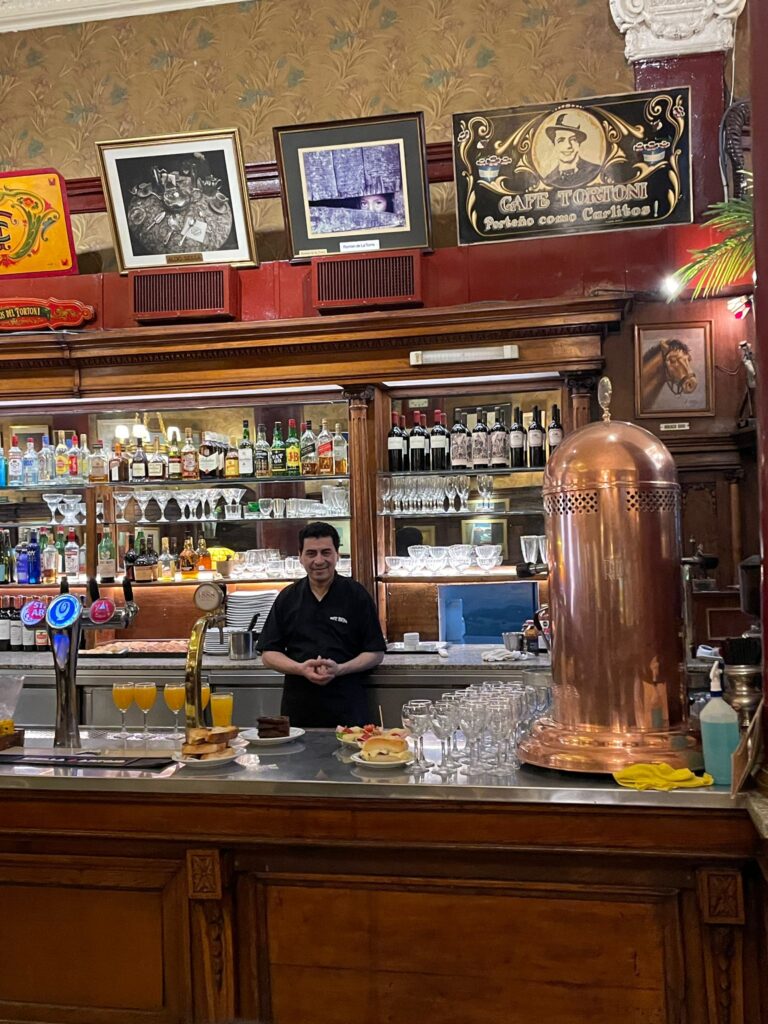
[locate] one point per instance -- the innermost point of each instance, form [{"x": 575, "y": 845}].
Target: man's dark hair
[{"x": 314, "y": 531}]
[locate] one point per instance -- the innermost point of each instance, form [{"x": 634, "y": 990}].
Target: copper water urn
[{"x": 612, "y": 508}]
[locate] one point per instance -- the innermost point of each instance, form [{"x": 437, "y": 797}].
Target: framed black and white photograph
[
  {"x": 178, "y": 199},
  {"x": 355, "y": 186}
]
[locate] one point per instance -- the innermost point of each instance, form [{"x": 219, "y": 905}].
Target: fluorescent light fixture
[
  {"x": 168, "y": 397},
  {"x": 488, "y": 378},
  {"x": 482, "y": 354}
]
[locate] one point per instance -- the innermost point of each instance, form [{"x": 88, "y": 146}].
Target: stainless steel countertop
[{"x": 315, "y": 766}]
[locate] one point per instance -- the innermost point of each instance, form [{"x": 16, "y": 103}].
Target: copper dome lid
[{"x": 609, "y": 452}]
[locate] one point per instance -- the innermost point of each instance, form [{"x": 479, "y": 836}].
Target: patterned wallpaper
[{"x": 261, "y": 63}]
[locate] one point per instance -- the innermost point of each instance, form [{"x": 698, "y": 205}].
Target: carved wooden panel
[
  {"x": 213, "y": 966},
  {"x": 721, "y": 906},
  {"x": 203, "y": 875}
]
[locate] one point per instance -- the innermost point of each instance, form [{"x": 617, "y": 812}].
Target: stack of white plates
[
  {"x": 244, "y": 604},
  {"x": 213, "y": 645}
]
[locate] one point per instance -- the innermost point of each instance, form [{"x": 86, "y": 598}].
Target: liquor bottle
[
  {"x": 232, "y": 461},
  {"x": 22, "y": 561},
  {"x": 481, "y": 443},
  {"x": 16, "y": 639},
  {"x": 73, "y": 458},
  {"x": 142, "y": 570},
  {"x": 27, "y": 633},
  {"x": 395, "y": 445},
  {"x": 174, "y": 459},
  {"x": 417, "y": 446},
  {"x": 33, "y": 558},
  {"x": 460, "y": 442},
  {"x": 153, "y": 559},
  {"x": 30, "y": 466},
  {"x": 49, "y": 562},
  {"x": 188, "y": 560},
  {"x": 517, "y": 440},
  {"x": 308, "y": 444},
  {"x": 261, "y": 452},
  {"x": 277, "y": 451},
  {"x": 61, "y": 455},
  {"x": 3, "y": 465},
  {"x": 118, "y": 465},
  {"x": 5, "y": 623},
  {"x": 3, "y": 565},
  {"x": 189, "y": 460},
  {"x": 156, "y": 465},
  {"x": 406, "y": 444},
  {"x": 85, "y": 458},
  {"x": 129, "y": 559},
  {"x": 554, "y": 431},
  {"x": 72, "y": 556},
  {"x": 99, "y": 469},
  {"x": 106, "y": 565},
  {"x": 61, "y": 545},
  {"x": 499, "y": 442},
  {"x": 439, "y": 444},
  {"x": 203, "y": 556},
  {"x": 340, "y": 449},
  {"x": 10, "y": 570},
  {"x": 245, "y": 453},
  {"x": 208, "y": 458},
  {"x": 15, "y": 459},
  {"x": 536, "y": 456},
  {"x": 174, "y": 555},
  {"x": 167, "y": 570},
  {"x": 139, "y": 462},
  {"x": 324, "y": 450},
  {"x": 292, "y": 451}
]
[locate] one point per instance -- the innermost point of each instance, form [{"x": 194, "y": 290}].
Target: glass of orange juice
[
  {"x": 221, "y": 707},
  {"x": 122, "y": 695},
  {"x": 174, "y": 699},
  {"x": 145, "y": 695},
  {"x": 206, "y": 694}
]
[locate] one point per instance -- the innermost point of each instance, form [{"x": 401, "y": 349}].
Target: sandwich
[
  {"x": 385, "y": 750},
  {"x": 206, "y": 744},
  {"x": 202, "y": 749}
]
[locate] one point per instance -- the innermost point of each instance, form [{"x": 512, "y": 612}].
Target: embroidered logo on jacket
[{"x": 338, "y": 618}]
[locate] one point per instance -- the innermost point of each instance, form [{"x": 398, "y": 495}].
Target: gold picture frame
[
  {"x": 674, "y": 370},
  {"x": 178, "y": 200},
  {"x": 485, "y": 530}
]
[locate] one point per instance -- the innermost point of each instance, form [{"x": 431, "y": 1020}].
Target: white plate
[
  {"x": 252, "y": 735},
  {"x": 238, "y": 741},
  {"x": 198, "y": 765},
  {"x": 359, "y": 759}
]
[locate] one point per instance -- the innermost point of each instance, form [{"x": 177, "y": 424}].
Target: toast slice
[{"x": 201, "y": 749}]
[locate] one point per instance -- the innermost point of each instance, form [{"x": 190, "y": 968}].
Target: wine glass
[
  {"x": 462, "y": 486},
  {"x": 485, "y": 487},
  {"x": 145, "y": 695},
  {"x": 450, "y": 493},
  {"x": 143, "y": 499},
  {"x": 174, "y": 699},
  {"x": 121, "y": 499},
  {"x": 214, "y": 493},
  {"x": 385, "y": 490},
  {"x": 416, "y": 718},
  {"x": 71, "y": 504},
  {"x": 232, "y": 496},
  {"x": 162, "y": 498},
  {"x": 122, "y": 695},
  {"x": 443, "y": 717},
  {"x": 53, "y": 501}
]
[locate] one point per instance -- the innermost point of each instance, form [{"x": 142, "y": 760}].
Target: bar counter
[{"x": 293, "y": 889}]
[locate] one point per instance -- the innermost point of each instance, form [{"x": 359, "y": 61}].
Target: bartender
[{"x": 323, "y": 633}]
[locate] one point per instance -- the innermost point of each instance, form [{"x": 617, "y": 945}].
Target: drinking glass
[
  {"x": 145, "y": 695},
  {"x": 460, "y": 556},
  {"x": 437, "y": 559},
  {"x": 344, "y": 566},
  {"x": 278, "y": 508},
  {"x": 53, "y": 501},
  {"x": 143, "y": 499},
  {"x": 174, "y": 699},
  {"x": 485, "y": 487},
  {"x": 71, "y": 504},
  {"x": 122, "y": 695},
  {"x": 221, "y": 708},
  {"x": 500, "y": 726},
  {"x": 543, "y": 548},
  {"x": 416, "y": 718},
  {"x": 443, "y": 725},
  {"x": 450, "y": 492},
  {"x": 419, "y": 554},
  {"x": 472, "y": 720},
  {"x": 394, "y": 565},
  {"x": 385, "y": 490},
  {"x": 214, "y": 494},
  {"x": 462, "y": 486},
  {"x": 265, "y": 507},
  {"x": 162, "y": 498},
  {"x": 529, "y": 545},
  {"x": 232, "y": 496},
  {"x": 205, "y": 695},
  {"x": 121, "y": 499}
]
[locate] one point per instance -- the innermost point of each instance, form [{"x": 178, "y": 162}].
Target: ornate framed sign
[
  {"x": 599, "y": 164},
  {"x": 35, "y": 229},
  {"x": 31, "y": 314}
]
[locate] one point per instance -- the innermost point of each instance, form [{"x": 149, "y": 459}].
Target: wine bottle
[
  {"x": 517, "y": 440},
  {"x": 554, "y": 431},
  {"x": 499, "y": 442},
  {"x": 460, "y": 442},
  {"x": 481, "y": 443},
  {"x": 427, "y": 441},
  {"x": 536, "y": 455},
  {"x": 439, "y": 444},
  {"x": 395, "y": 445},
  {"x": 406, "y": 445},
  {"x": 417, "y": 446}
]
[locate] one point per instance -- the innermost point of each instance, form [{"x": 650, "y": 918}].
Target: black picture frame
[{"x": 355, "y": 186}]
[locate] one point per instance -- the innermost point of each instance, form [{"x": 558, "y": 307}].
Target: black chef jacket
[{"x": 341, "y": 626}]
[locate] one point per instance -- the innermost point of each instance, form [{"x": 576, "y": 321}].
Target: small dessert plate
[{"x": 252, "y": 735}]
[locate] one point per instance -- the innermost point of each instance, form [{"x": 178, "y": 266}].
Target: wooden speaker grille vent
[
  {"x": 185, "y": 293},
  {"x": 367, "y": 279}
]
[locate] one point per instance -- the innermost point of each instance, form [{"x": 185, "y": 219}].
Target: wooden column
[
  {"x": 581, "y": 387},
  {"x": 361, "y": 486},
  {"x": 213, "y": 960}
]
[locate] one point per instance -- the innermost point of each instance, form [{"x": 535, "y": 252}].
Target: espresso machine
[
  {"x": 66, "y": 617},
  {"x": 612, "y": 509}
]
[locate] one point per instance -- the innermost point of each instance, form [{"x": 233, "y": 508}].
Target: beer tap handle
[
  {"x": 127, "y": 591},
  {"x": 64, "y": 585},
  {"x": 93, "y": 590}
]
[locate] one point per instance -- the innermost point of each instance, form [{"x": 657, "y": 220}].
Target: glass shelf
[
  {"x": 329, "y": 517},
  {"x": 470, "y": 514},
  {"x": 54, "y": 486},
  {"x": 504, "y": 574},
  {"x": 502, "y": 471}
]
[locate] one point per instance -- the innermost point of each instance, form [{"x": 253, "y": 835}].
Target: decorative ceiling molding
[
  {"x": 675, "y": 28},
  {"x": 21, "y": 15}
]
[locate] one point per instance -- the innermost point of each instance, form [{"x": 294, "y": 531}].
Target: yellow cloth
[{"x": 660, "y": 776}]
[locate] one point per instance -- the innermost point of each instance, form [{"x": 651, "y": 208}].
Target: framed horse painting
[{"x": 673, "y": 370}]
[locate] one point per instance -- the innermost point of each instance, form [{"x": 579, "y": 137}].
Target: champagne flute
[
  {"x": 122, "y": 695},
  {"x": 174, "y": 699},
  {"x": 145, "y": 695}
]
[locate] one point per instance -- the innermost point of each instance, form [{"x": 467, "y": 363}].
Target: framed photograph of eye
[{"x": 355, "y": 186}]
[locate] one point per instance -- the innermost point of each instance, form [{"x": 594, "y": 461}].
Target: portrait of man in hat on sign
[{"x": 567, "y": 138}]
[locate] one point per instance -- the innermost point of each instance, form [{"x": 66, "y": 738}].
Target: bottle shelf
[
  {"x": 502, "y": 471},
  {"x": 479, "y": 513},
  {"x": 55, "y": 486},
  {"x": 329, "y": 517}
]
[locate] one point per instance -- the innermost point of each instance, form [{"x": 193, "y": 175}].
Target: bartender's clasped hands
[{"x": 320, "y": 670}]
